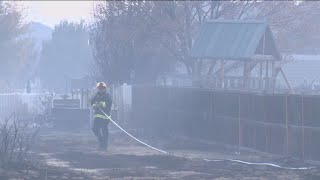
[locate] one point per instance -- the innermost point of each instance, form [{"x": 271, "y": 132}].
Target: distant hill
[{"x": 39, "y": 32}]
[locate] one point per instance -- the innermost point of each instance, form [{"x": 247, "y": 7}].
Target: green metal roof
[{"x": 232, "y": 40}]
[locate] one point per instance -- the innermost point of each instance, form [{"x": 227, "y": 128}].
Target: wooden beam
[
  {"x": 267, "y": 76},
  {"x": 258, "y": 57},
  {"x": 210, "y": 71},
  {"x": 260, "y": 76},
  {"x": 274, "y": 78},
  {"x": 286, "y": 80},
  {"x": 246, "y": 73},
  {"x": 228, "y": 68},
  {"x": 267, "y": 69},
  {"x": 222, "y": 73}
]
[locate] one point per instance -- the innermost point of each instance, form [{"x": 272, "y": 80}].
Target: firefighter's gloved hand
[
  {"x": 100, "y": 105},
  {"x": 97, "y": 106}
]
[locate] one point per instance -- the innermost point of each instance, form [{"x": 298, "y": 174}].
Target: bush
[{"x": 16, "y": 139}]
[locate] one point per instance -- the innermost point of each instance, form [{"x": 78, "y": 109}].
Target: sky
[{"x": 52, "y": 12}]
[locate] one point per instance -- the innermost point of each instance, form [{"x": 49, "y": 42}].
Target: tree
[
  {"x": 65, "y": 56},
  {"x": 126, "y": 41},
  {"x": 173, "y": 26},
  {"x": 16, "y": 48},
  {"x": 296, "y": 24},
  {"x": 163, "y": 29}
]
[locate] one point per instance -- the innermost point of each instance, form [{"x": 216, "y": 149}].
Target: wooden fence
[
  {"x": 281, "y": 124},
  {"x": 20, "y": 103}
]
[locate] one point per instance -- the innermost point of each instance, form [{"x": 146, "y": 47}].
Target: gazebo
[{"x": 241, "y": 55}]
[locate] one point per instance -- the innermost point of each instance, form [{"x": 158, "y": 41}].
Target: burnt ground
[{"x": 74, "y": 155}]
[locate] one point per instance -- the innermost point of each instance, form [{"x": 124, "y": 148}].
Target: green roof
[{"x": 234, "y": 40}]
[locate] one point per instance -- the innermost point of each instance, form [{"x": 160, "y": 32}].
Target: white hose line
[
  {"x": 159, "y": 150},
  {"x": 269, "y": 164},
  {"x": 208, "y": 160}
]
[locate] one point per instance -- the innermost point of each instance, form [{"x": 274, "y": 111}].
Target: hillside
[{"x": 39, "y": 32}]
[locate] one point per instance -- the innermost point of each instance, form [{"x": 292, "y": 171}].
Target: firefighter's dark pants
[{"x": 100, "y": 129}]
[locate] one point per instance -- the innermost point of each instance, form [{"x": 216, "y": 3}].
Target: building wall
[{"x": 304, "y": 70}]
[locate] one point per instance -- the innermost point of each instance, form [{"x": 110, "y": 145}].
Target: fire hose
[{"x": 208, "y": 160}]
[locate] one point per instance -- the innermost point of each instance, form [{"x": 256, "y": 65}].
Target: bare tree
[
  {"x": 16, "y": 140},
  {"x": 126, "y": 39},
  {"x": 126, "y": 33},
  {"x": 294, "y": 23}
]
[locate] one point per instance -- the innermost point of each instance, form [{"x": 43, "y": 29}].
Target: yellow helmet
[{"x": 101, "y": 85}]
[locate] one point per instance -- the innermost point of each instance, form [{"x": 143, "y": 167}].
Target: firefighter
[{"x": 101, "y": 101}]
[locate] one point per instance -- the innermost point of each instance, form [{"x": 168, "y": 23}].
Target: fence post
[
  {"x": 287, "y": 128},
  {"x": 302, "y": 126},
  {"x": 255, "y": 124},
  {"x": 265, "y": 120},
  {"x": 87, "y": 99},
  {"x": 82, "y": 99},
  {"x": 239, "y": 124},
  {"x": 210, "y": 114},
  {"x": 214, "y": 104},
  {"x": 170, "y": 124}
]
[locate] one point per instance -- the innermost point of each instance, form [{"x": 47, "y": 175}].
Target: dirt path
[{"x": 75, "y": 156}]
